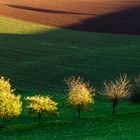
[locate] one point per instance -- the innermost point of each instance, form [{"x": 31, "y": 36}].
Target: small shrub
[
  {"x": 40, "y": 105},
  {"x": 116, "y": 90},
  {"x": 80, "y": 95},
  {"x": 10, "y": 104}
]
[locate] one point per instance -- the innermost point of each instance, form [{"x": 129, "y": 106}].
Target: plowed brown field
[{"x": 122, "y": 16}]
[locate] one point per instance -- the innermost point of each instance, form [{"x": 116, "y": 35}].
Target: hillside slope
[{"x": 122, "y": 16}]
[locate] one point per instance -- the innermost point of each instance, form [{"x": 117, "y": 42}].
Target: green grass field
[
  {"x": 36, "y": 58},
  {"x": 97, "y": 123}
]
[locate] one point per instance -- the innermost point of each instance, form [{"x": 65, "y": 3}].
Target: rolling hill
[{"x": 119, "y": 16}]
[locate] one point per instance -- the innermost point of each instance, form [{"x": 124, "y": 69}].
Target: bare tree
[{"x": 116, "y": 90}]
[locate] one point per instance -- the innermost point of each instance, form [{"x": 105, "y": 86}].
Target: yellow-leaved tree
[
  {"x": 80, "y": 95},
  {"x": 41, "y": 105},
  {"x": 116, "y": 90},
  {"x": 10, "y": 104}
]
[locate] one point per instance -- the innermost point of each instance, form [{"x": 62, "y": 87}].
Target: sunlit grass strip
[{"x": 14, "y": 26}]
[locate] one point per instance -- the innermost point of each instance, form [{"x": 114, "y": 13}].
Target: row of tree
[{"x": 80, "y": 96}]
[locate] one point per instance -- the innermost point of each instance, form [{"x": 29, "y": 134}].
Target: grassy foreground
[
  {"x": 37, "y": 57},
  {"x": 97, "y": 123}
]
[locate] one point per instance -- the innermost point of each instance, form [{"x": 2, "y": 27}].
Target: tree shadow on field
[
  {"x": 40, "y": 61},
  {"x": 93, "y": 124}
]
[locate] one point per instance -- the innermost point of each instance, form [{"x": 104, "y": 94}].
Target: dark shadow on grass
[
  {"x": 48, "y": 125},
  {"x": 39, "y": 62},
  {"x": 97, "y": 126}
]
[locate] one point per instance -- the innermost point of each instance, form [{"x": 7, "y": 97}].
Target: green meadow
[{"x": 36, "y": 58}]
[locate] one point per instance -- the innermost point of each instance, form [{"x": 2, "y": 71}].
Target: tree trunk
[
  {"x": 115, "y": 102},
  {"x": 79, "y": 112},
  {"x": 39, "y": 117}
]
